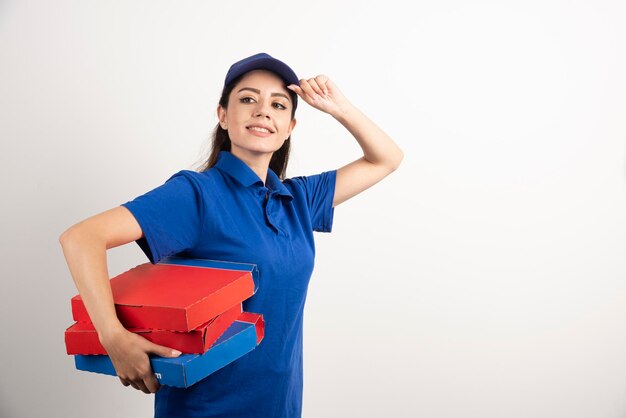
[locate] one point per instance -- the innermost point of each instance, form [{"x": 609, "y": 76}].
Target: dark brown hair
[{"x": 221, "y": 140}]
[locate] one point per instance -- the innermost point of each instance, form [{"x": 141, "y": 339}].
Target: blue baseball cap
[{"x": 262, "y": 61}]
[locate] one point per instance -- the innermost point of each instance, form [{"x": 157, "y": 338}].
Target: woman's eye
[
  {"x": 246, "y": 100},
  {"x": 280, "y": 106}
]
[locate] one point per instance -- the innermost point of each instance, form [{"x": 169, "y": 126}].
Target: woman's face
[{"x": 258, "y": 116}]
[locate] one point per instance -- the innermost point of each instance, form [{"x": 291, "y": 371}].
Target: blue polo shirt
[{"x": 227, "y": 213}]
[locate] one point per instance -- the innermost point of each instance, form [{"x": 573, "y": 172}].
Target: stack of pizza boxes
[{"x": 190, "y": 305}]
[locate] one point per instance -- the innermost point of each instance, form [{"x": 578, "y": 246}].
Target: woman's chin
[{"x": 255, "y": 149}]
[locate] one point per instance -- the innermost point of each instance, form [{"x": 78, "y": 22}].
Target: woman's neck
[{"x": 258, "y": 162}]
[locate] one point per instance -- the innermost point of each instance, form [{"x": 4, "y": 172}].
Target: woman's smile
[{"x": 260, "y": 130}]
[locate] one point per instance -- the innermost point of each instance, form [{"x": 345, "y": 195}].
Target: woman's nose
[{"x": 262, "y": 109}]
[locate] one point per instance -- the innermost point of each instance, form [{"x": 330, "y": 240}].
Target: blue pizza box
[{"x": 187, "y": 369}]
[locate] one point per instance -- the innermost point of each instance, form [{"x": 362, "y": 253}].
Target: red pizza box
[
  {"x": 257, "y": 320},
  {"x": 82, "y": 337},
  {"x": 177, "y": 295}
]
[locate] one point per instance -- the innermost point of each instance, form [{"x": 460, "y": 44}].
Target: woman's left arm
[{"x": 381, "y": 155}]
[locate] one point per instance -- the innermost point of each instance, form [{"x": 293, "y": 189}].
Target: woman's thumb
[{"x": 159, "y": 350}]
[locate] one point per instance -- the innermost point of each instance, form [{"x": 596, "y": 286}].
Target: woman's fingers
[
  {"x": 321, "y": 93},
  {"x": 321, "y": 81},
  {"x": 152, "y": 384},
  {"x": 315, "y": 86},
  {"x": 142, "y": 387},
  {"x": 147, "y": 383},
  {"x": 306, "y": 88},
  {"x": 159, "y": 350},
  {"x": 143, "y": 378},
  {"x": 129, "y": 354},
  {"x": 296, "y": 89}
]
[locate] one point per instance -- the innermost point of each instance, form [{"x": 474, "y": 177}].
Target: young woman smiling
[{"x": 239, "y": 207}]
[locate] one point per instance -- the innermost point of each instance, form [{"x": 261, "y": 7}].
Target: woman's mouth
[
  {"x": 258, "y": 129},
  {"x": 261, "y": 131}
]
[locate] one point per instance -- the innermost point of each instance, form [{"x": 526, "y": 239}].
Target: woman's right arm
[{"x": 84, "y": 246}]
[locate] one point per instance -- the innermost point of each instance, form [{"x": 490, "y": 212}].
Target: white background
[{"x": 484, "y": 278}]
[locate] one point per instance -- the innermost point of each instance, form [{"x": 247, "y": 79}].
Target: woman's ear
[
  {"x": 221, "y": 115},
  {"x": 292, "y": 125}
]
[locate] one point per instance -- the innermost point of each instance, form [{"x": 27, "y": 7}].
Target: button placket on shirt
[
  {"x": 264, "y": 196},
  {"x": 272, "y": 206}
]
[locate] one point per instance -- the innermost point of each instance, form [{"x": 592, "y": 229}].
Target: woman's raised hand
[
  {"x": 321, "y": 93},
  {"x": 129, "y": 354}
]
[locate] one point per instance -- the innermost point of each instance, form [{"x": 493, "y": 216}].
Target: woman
[{"x": 239, "y": 208}]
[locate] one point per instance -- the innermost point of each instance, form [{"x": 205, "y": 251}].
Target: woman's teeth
[{"x": 255, "y": 128}]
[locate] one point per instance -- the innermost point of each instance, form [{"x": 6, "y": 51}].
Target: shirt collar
[{"x": 238, "y": 170}]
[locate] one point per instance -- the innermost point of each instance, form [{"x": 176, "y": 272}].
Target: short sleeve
[
  {"x": 319, "y": 190},
  {"x": 170, "y": 216}
]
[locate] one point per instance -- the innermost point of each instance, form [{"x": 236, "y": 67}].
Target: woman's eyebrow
[{"x": 257, "y": 91}]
